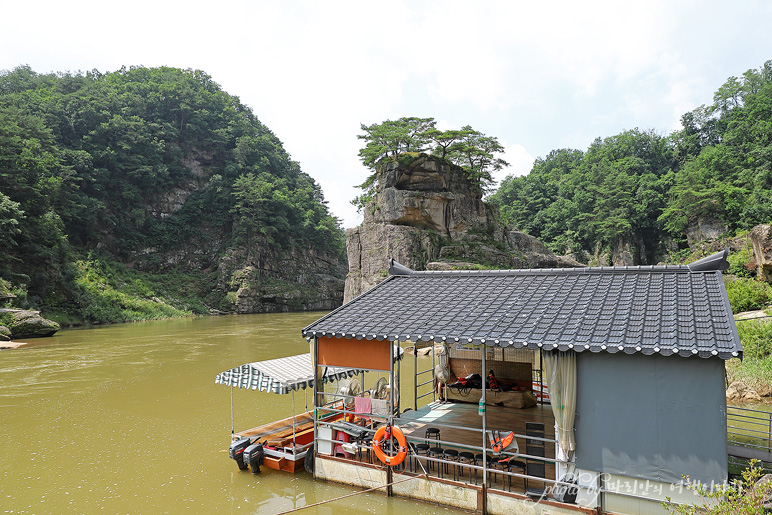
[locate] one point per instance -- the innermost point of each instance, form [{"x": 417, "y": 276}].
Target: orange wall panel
[{"x": 342, "y": 352}]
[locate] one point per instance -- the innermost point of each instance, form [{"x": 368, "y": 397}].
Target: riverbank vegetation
[{"x": 120, "y": 193}]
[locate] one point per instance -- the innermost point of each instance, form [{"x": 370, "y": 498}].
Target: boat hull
[
  {"x": 285, "y": 442},
  {"x": 289, "y": 463}
]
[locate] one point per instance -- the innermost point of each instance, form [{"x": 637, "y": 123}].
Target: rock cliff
[
  {"x": 426, "y": 214},
  {"x": 761, "y": 238},
  {"x": 254, "y": 276},
  {"x": 281, "y": 282}
]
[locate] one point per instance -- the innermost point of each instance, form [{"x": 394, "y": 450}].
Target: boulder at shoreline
[{"x": 24, "y": 323}]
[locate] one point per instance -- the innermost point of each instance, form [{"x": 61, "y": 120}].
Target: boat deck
[{"x": 460, "y": 428}]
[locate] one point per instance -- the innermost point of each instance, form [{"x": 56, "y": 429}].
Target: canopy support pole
[
  {"x": 415, "y": 376},
  {"x": 233, "y": 427},
  {"x": 391, "y": 383},
  {"x": 434, "y": 367},
  {"x": 314, "y": 360},
  {"x": 293, "y": 421},
  {"x": 484, "y": 419}
]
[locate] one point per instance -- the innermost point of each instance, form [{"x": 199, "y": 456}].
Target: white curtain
[{"x": 561, "y": 380}]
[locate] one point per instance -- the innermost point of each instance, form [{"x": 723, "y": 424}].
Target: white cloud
[
  {"x": 520, "y": 162},
  {"x": 544, "y": 75}
]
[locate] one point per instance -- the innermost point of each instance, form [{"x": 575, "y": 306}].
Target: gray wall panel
[{"x": 651, "y": 417}]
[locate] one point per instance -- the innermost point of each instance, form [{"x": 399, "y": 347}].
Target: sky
[{"x": 538, "y": 76}]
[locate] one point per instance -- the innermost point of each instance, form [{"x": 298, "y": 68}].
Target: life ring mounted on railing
[{"x": 387, "y": 432}]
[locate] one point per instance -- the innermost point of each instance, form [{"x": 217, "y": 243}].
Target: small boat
[{"x": 281, "y": 444}]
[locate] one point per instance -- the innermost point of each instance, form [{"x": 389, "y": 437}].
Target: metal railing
[
  {"x": 749, "y": 428},
  {"x": 485, "y": 467}
]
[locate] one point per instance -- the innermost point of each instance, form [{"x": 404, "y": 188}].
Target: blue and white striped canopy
[{"x": 281, "y": 375}]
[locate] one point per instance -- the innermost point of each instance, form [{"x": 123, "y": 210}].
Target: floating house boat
[{"x": 632, "y": 357}]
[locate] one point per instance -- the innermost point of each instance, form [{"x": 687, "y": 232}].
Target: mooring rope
[{"x": 349, "y": 495}]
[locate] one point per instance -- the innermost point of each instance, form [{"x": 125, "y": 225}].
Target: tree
[
  {"x": 470, "y": 149},
  {"x": 141, "y": 158},
  {"x": 390, "y": 138},
  {"x": 729, "y": 95},
  {"x": 475, "y": 152},
  {"x": 444, "y": 140},
  {"x": 10, "y": 214}
]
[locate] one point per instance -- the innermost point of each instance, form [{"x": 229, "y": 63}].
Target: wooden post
[{"x": 482, "y": 499}]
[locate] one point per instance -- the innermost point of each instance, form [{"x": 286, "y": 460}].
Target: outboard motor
[
  {"x": 565, "y": 493},
  {"x": 253, "y": 456},
  {"x": 236, "y": 451}
]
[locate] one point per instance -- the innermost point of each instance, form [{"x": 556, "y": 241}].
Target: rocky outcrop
[
  {"x": 199, "y": 164},
  {"x": 704, "y": 229},
  {"x": 293, "y": 281},
  {"x": 426, "y": 214},
  {"x": 258, "y": 277},
  {"x": 23, "y": 323},
  {"x": 761, "y": 239},
  {"x": 740, "y": 392}
]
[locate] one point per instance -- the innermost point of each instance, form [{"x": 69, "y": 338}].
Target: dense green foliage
[
  {"x": 108, "y": 293},
  {"x": 645, "y": 190},
  {"x": 755, "y": 369},
  {"x": 137, "y": 163},
  {"x": 470, "y": 149},
  {"x": 575, "y": 201},
  {"x": 746, "y": 294},
  {"x": 757, "y": 339}
]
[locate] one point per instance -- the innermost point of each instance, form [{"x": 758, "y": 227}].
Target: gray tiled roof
[{"x": 651, "y": 309}]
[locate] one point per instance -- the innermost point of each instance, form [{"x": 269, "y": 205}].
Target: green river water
[{"x": 127, "y": 419}]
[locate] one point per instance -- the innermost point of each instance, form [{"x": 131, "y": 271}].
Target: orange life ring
[{"x": 396, "y": 432}]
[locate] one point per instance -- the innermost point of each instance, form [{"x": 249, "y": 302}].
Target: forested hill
[
  {"x": 152, "y": 192},
  {"x": 638, "y": 197}
]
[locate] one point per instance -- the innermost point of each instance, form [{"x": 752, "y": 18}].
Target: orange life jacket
[
  {"x": 492, "y": 383},
  {"x": 498, "y": 443}
]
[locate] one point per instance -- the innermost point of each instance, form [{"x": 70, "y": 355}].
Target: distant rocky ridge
[{"x": 426, "y": 214}]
